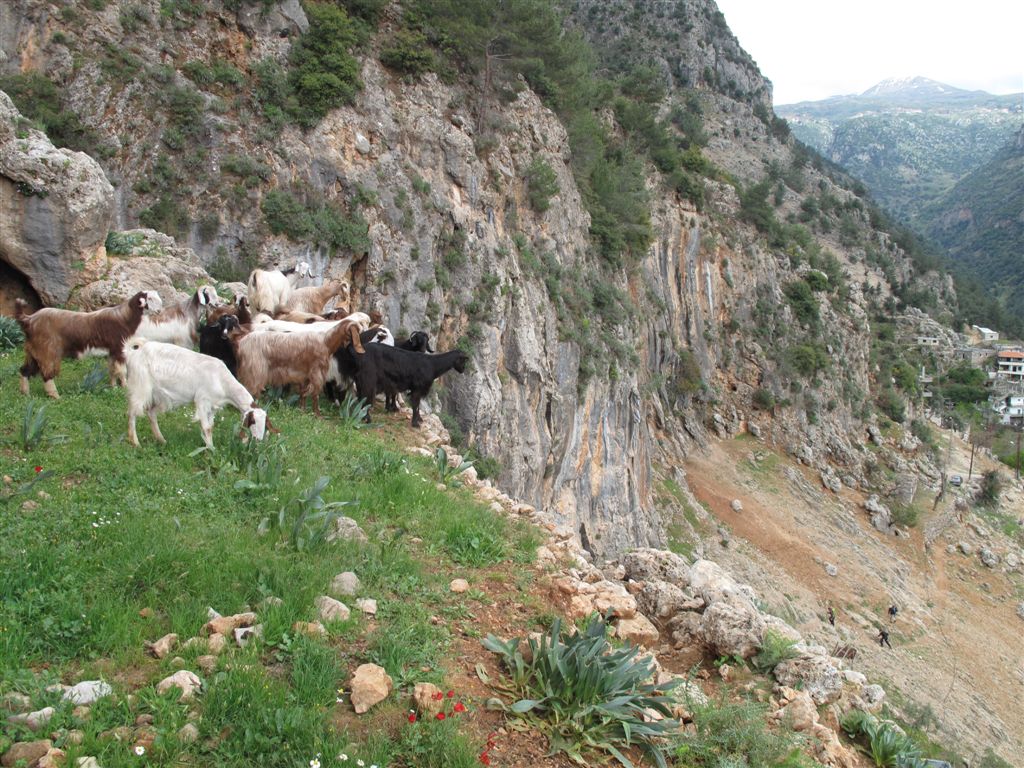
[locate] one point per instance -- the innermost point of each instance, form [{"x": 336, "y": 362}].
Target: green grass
[{"x": 169, "y": 531}]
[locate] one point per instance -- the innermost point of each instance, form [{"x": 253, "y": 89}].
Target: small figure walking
[
  {"x": 831, "y": 616},
  {"x": 883, "y": 638},
  {"x": 893, "y": 610}
]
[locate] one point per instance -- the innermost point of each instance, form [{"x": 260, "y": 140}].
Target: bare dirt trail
[{"x": 959, "y": 647}]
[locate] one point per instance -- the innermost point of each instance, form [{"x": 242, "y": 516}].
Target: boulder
[
  {"x": 347, "y": 529},
  {"x": 736, "y": 505},
  {"x": 367, "y": 605},
  {"x": 873, "y": 697},
  {"x": 188, "y": 733},
  {"x": 187, "y": 682},
  {"x": 685, "y": 629},
  {"x": 816, "y": 675},
  {"x": 427, "y": 698},
  {"x": 345, "y": 584},
  {"x": 988, "y": 558},
  {"x": 661, "y": 599},
  {"x": 370, "y": 685},
  {"x": 226, "y": 625},
  {"x": 160, "y": 648},
  {"x": 87, "y": 692},
  {"x": 799, "y": 714},
  {"x": 637, "y": 630},
  {"x": 310, "y": 628},
  {"x": 458, "y": 586},
  {"x": 25, "y": 752},
  {"x": 33, "y": 720},
  {"x": 733, "y": 626},
  {"x": 329, "y": 609},
  {"x": 55, "y": 208},
  {"x": 708, "y": 580},
  {"x": 656, "y": 565},
  {"x": 152, "y": 261},
  {"x": 780, "y": 627}
]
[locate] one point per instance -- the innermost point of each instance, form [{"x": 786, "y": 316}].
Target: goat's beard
[{"x": 258, "y": 428}]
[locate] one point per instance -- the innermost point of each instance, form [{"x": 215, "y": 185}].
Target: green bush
[
  {"x": 892, "y": 405},
  {"x": 733, "y": 734},
  {"x": 687, "y": 378},
  {"x": 408, "y": 52},
  {"x": 775, "y": 648},
  {"x": 40, "y": 100},
  {"x": 11, "y": 335},
  {"x": 541, "y": 184},
  {"x": 316, "y": 221},
  {"x": 324, "y": 74},
  {"x": 801, "y": 299},
  {"x": 122, "y": 243},
  {"x": 763, "y": 399},
  {"x": 991, "y": 486},
  {"x": 586, "y": 696},
  {"x": 808, "y": 359}
]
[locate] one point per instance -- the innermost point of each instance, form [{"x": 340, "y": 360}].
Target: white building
[
  {"x": 1010, "y": 409},
  {"x": 987, "y": 334},
  {"x": 1010, "y": 365}
]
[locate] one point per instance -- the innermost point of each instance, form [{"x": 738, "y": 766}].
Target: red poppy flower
[
  {"x": 460, "y": 707},
  {"x": 412, "y": 717},
  {"x": 37, "y": 469},
  {"x": 485, "y": 759},
  {"x": 437, "y": 696},
  {"x": 440, "y": 715},
  {"x": 451, "y": 694}
]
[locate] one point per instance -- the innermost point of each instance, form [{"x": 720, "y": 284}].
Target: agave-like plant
[{"x": 585, "y": 696}]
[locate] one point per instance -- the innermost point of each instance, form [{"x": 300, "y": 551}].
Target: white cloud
[{"x": 812, "y": 49}]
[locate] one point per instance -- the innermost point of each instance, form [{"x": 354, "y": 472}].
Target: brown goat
[
  {"x": 278, "y": 359},
  {"x": 295, "y": 316},
  {"x": 314, "y": 298},
  {"x": 54, "y": 334},
  {"x": 240, "y": 309}
]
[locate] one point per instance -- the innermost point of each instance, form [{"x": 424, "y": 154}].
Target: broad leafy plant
[
  {"x": 446, "y": 473},
  {"x": 584, "y": 695},
  {"x": 307, "y": 518},
  {"x": 352, "y": 412},
  {"x": 885, "y": 744}
]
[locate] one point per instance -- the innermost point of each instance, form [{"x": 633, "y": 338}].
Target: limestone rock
[
  {"x": 207, "y": 663},
  {"x": 1020, "y": 611},
  {"x": 426, "y": 698},
  {"x": 367, "y": 605},
  {"x": 873, "y": 697},
  {"x": 311, "y": 628},
  {"x": 370, "y": 685},
  {"x": 458, "y": 585},
  {"x": 225, "y": 625},
  {"x": 988, "y": 558},
  {"x": 831, "y": 569},
  {"x": 817, "y": 676},
  {"x": 33, "y": 720},
  {"x": 685, "y": 629},
  {"x": 243, "y": 635},
  {"x": 184, "y": 680},
  {"x": 733, "y": 626},
  {"x": 52, "y": 759},
  {"x": 87, "y": 692},
  {"x": 163, "y": 646},
  {"x": 25, "y": 752},
  {"x": 708, "y": 580},
  {"x": 329, "y": 609},
  {"x": 188, "y": 733},
  {"x": 15, "y": 702},
  {"x": 736, "y": 505},
  {"x": 345, "y": 584},
  {"x": 656, "y": 565},
  {"x": 780, "y": 627},
  {"x": 661, "y": 599},
  {"x": 347, "y": 529},
  {"x": 57, "y": 207},
  {"x": 966, "y": 548},
  {"x": 800, "y": 714},
  {"x": 637, "y": 630}
]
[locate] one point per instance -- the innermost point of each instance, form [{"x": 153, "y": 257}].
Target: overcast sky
[{"x": 813, "y": 49}]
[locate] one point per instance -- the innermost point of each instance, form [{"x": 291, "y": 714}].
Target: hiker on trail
[
  {"x": 831, "y": 616},
  {"x": 893, "y": 610},
  {"x": 883, "y": 638}
]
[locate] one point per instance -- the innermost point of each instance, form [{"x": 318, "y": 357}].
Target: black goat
[
  {"x": 347, "y": 365},
  {"x": 213, "y": 341},
  {"x": 384, "y": 369},
  {"x": 419, "y": 341}
]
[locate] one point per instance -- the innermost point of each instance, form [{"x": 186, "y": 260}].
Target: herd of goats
[{"x": 277, "y": 336}]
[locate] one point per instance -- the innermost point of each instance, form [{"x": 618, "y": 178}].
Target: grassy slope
[{"x": 156, "y": 528}]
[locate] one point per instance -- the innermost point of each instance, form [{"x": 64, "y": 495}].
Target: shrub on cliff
[{"x": 324, "y": 74}]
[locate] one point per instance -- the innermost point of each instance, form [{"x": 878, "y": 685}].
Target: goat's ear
[{"x": 202, "y": 296}]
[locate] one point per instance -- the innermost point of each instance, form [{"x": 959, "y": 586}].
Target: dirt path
[{"x": 958, "y": 644}]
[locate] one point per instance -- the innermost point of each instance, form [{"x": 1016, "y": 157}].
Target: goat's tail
[{"x": 20, "y": 316}]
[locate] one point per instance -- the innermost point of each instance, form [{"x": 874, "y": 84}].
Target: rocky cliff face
[{"x": 580, "y": 428}]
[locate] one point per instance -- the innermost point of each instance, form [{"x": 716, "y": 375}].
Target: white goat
[
  {"x": 165, "y": 376},
  {"x": 179, "y": 324},
  {"x": 261, "y": 325},
  {"x": 270, "y": 289}
]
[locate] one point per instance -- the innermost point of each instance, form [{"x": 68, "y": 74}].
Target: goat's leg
[
  {"x": 133, "y": 413},
  {"x": 151, "y": 412},
  {"x": 118, "y": 372},
  {"x": 415, "y": 398},
  {"x": 204, "y": 416},
  {"x": 316, "y": 403},
  {"x": 51, "y": 389},
  {"x": 28, "y": 370}
]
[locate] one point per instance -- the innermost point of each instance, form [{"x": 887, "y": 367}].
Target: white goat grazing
[
  {"x": 284, "y": 326},
  {"x": 165, "y": 376},
  {"x": 179, "y": 324},
  {"x": 270, "y": 289}
]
